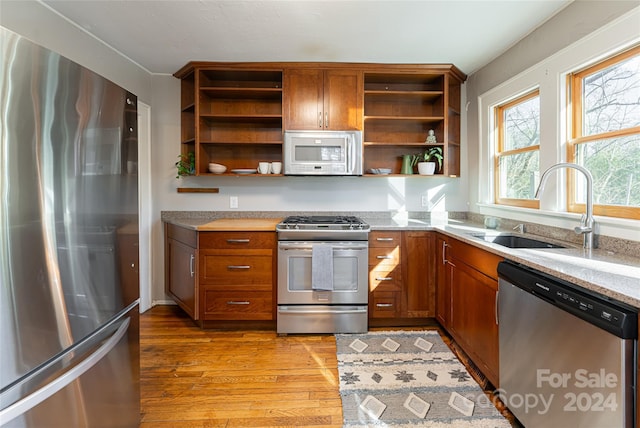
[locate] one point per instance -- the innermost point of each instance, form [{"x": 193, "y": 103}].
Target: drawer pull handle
[
  {"x": 233, "y": 302},
  {"x": 237, "y": 267},
  {"x": 384, "y": 257},
  {"x": 384, "y": 239},
  {"x": 384, "y": 279},
  {"x": 384, "y": 305},
  {"x": 238, "y": 241}
]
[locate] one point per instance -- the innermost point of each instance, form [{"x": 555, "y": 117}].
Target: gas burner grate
[{"x": 317, "y": 219}]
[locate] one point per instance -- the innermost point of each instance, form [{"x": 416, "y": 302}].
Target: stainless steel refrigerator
[{"x": 69, "y": 332}]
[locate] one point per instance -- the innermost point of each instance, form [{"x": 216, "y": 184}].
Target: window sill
[{"x": 608, "y": 226}]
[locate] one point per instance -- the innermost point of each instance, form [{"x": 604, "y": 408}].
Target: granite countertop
[{"x": 614, "y": 275}]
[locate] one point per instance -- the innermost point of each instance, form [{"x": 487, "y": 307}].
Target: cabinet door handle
[
  {"x": 191, "y": 260},
  {"x": 238, "y": 241},
  {"x": 384, "y": 305},
  {"x": 233, "y": 302},
  {"x": 320, "y": 119},
  {"x": 237, "y": 267},
  {"x": 384, "y": 279},
  {"x": 444, "y": 252},
  {"x": 384, "y": 257},
  {"x": 384, "y": 239},
  {"x": 326, "y": 119},
  {"x": 497, "y": 307}
]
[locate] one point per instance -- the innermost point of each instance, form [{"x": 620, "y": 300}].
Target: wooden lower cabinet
[
  {"x": 470, "y": 281},
  {"x": 222, "y": 277},
  {"x": 401, "y": 276},
  {"x": 180, "y": 268},
  {"x": 236, "y": 276},
  {"x": 443, "y": 281},
  {"x": 473, "y": 316},
  {"x": 385, "y": 274},
  {"x": 419, "y": 279}
]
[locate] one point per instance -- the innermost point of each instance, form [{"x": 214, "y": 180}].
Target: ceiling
[{"x": 162, "y": 35}]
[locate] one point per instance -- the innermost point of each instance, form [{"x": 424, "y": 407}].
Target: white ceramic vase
[{"x": 426, "y": 168}]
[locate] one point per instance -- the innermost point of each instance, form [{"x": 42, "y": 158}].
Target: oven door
[{"x": 350, "y": 275}]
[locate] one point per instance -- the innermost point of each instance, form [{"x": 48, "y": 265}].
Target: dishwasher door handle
[{"x": 497, "y": 303}]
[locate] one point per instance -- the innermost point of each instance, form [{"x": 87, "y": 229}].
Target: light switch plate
[{"x": 233, "y": 202}]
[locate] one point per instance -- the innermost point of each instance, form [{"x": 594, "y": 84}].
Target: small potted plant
[
  {"x": 186, "y": 164},
  {"x": 428, "y": 161}
]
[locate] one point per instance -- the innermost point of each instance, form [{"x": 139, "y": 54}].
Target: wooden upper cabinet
[
  {"x": 322, "y": 99},
  {"x": 235, "y": 114}
]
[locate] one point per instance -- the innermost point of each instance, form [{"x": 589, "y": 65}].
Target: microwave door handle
[{"x": 351, "y": 158}]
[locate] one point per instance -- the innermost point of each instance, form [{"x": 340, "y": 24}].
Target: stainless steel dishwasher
[{"x": 567, "y": 355}]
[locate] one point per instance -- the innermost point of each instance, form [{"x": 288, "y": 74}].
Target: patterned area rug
[{"x": 409, "y": 379}]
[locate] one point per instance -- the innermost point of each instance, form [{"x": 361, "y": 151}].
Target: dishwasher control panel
[
  {"x": 613, "y": 316},
  {"x": 584, "y": 304}
]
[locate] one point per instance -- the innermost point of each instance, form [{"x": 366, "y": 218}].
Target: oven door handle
[
  {"x": 309, "y": 247},
  {"x": 322, "y": 311}
]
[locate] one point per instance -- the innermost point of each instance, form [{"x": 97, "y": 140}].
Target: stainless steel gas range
[{"x": 322, "y": 274}]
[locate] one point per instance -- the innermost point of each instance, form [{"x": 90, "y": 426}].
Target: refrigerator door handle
[{"x": 37, "y": 397}]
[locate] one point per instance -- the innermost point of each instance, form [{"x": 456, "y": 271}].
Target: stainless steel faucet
[
  {"x": 519, "y": 227},
  {"x": 587, "y": 222}
]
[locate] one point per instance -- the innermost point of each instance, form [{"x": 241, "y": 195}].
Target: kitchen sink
[{"x": 515, "y": 241}]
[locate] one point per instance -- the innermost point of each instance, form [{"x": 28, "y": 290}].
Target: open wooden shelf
[{"x": 235, "y": 114}]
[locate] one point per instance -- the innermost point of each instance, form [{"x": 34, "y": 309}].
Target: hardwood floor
[
  {"x": 201, "y": 378},
  {"x": 191, "y": 377}
]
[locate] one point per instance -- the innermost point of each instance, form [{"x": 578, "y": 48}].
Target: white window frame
[{"x": 549, "y": 75}]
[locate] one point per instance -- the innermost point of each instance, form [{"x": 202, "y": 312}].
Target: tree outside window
[
  {"x": 517, "y": 159},
  {"x": 605, "y": 135}
]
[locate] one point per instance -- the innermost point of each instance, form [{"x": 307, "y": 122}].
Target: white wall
[
  {"x": 45, "y": 27},
  {"x": 532, "y": 64}
]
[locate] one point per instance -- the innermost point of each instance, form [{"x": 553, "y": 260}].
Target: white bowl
[{"x": 216, "y": 168}]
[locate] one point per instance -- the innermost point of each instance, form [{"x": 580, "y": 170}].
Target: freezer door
[
  {"x": 95, "y": 384},
  {"x": 69, "y": 217}
]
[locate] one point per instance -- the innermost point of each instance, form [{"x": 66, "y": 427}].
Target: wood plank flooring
[
  {"x": 201, "y": 378},
  {"x": 191, "y": 378}
]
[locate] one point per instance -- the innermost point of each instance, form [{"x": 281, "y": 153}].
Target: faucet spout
[{"x": 586, "y": 227}]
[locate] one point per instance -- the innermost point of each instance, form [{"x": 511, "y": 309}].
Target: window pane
[
  {"x": 615, "y": 166},
  {"x": 612, "y": 98},
  {"x": 519, "y": 175},
  {"x": 522, "y": 125}
]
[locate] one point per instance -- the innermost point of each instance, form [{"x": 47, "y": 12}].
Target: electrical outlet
[
  {"x": 424, "y": 201},
  {"x": 233, "y": 202}
]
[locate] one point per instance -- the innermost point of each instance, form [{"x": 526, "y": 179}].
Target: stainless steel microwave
[{"x": 322, "y": 153}]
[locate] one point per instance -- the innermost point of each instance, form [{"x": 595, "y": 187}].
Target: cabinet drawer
[
  {"x": 385, "y": 279},
  {"x": 381, "y": 238},
  {"x": 384, "y": 304},
  {"x": 384, "y": 258},
  {"x": 237, "y": 240},
  {"x": 237, "y": 269},
  {"x": 229, "y": 305}
]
